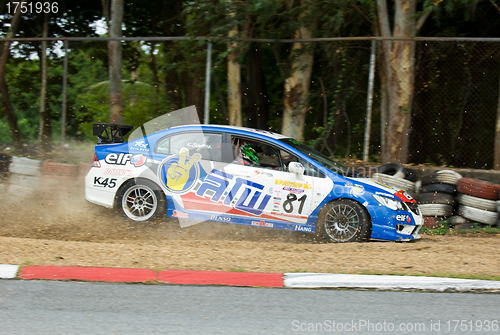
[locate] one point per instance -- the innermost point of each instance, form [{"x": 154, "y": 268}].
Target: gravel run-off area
[{"x": 55, "y": 225}]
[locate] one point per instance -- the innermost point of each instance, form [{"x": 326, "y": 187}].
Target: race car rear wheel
[
  {"x": 343, "y": 220},
  {"x": 141, "y": 201}
]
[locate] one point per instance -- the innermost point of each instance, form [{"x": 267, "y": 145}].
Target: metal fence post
[
  {"x": 369, "y": 103},
  {"x": 207, "y": 82}
]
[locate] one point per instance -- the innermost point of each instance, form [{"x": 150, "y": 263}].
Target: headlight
[{"x": 391, "y": 203}]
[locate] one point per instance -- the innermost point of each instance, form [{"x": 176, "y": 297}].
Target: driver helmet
[{"x": 248, "y": 153}]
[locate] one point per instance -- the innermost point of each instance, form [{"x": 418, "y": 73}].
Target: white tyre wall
[
  {"x": 479, "y": 203},
  {"x": 478, "y": 215},
  {"x": 435, "y": 210},
  {"x": 398, "y": 183},
  {"x": 25, "y": 166}
]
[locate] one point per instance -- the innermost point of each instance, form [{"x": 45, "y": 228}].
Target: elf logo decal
[
  {"x": 403, "y": 217},
  {"x": 122, "y": 159},
  {"x": 179, "y": 173},
  {"x": 239, "y": 193}
]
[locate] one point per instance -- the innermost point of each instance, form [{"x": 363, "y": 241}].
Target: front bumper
[{"x": 391, "y": 225}]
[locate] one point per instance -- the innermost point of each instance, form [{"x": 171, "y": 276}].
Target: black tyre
[
  {"x": 141, "y": 201},
  {"x": 410, "y": 174},
  {"x": 445, "y": 188},
  {"x": 436, "y": 198},
  {"x": 343, "y": 220},
  {"x": 392, "y": 169}
]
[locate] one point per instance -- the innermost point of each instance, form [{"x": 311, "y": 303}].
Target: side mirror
[{"x": 295, "y": 167}]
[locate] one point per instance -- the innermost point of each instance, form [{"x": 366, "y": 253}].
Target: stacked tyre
[
  {"x": 478, "y": 200},
  {"x": 437, "y": 196},
  {"x": 398, "y": 176}
]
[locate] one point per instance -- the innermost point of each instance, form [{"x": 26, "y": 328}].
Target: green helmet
[{"x": 248, "y": 153}]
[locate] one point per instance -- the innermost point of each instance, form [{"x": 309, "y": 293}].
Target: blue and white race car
[{"x": 243, "y": 176}]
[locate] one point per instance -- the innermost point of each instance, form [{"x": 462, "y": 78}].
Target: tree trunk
[
  {"x": 385, "y": 78},
  {"x": 43, "y": 139},
  {"x": 7, "y": 106},
  {"x": 115, "y": 63},
  {"x": 401, "y": 82},
  {"x": 297, "y": 88},
  {"x": 233, "y": 85}
]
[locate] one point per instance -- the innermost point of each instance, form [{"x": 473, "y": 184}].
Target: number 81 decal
[{"x": 288, "y": 204}]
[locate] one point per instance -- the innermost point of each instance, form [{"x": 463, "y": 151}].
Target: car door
[
  {"x": 267, "y": 189},
  {"x": 187, "y": 158}
]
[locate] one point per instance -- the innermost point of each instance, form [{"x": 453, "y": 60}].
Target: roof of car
[{"x": 257, "y": 131}]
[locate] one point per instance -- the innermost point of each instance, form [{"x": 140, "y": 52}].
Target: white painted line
[
  {"x": 317, "y": 280},
  {"x": 8, "y": 271}
]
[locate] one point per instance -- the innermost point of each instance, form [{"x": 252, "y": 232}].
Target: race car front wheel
[
  {"x": 141, "y": 200},
  {"x": 343, "y": 220}
]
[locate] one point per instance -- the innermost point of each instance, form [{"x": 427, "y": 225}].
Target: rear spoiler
[{"x": 115, "y": 135}]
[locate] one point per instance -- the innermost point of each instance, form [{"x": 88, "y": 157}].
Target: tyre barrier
[
  {"x": 432, "y": 222},
  {"x": 399, "y": 171},
  {"x": 478, "y": 215},
  {"x": 24, "y": 176},
  {"x": 396, "y": 182},
  {"x": 436, "y": 210},
  {"x": 442, "y": 188},
  {"x": 59, "y": 169},
  {"x": 440, "y": 178},
  {"x": 479, "y": 203},
  {"x": 478, "y": 188},
  {"x": 436, "y": 198}
]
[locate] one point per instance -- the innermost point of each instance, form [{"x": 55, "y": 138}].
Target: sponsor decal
[
  {"x": 403, "y": 217},
  {"x": 179, "y": 173},
  {"x": 123, "y": 159},
  {"x": 293, "y": 190},
  {"x": 104, "y": 182},
  {"x": 181, "y": 215},
  {"x": 117, "y": 172},
  {"x": 242, "y": 194},
  {"x": 392, "y": 188},
  {"x": 355, "y": 190},
  {"x": 139, "y": 160},
  {"x": 365, "y": 203},
  {"x": 293, "y": 184},
  {"x": 385, "y": 194},
  {"x": 303, "y": 228},
  {"x": 289, "y": 215},
  {"x": 199, "y": 145},
  {"x": 262, "y": 223},
  {"x": 140, "y": 146},
  {"x": 263, "y": 173},
  {"x": 220, "y": 218}
]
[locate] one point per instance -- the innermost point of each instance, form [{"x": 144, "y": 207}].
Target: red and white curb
[
  {"x": 255, "y": 279},
  {"x": 384, "y": 282},
  {"x": 8, "y": 271}
]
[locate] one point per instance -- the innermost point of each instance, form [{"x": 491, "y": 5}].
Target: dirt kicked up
[{"x": 57, "y": 226}]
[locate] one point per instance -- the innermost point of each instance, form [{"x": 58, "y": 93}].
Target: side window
[
  {"x": 163, "y": 146},
  {"x": 254, "y": 153},
  {"x": 309, "y": 170},
  {"x": 208, "y": 145}
]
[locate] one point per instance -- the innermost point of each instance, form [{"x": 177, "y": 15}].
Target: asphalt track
[{"x": 61, "y": 307}]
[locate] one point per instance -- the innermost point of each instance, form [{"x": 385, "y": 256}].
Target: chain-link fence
[
  {"x": 455, "y": 103},
  {"x": 453, "y": 114}
]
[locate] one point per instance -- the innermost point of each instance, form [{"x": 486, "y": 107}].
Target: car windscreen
[{"x": 319, "y": 157}]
